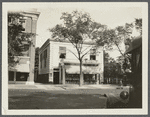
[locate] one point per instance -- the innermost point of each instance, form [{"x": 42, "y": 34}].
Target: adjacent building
[
  {"x": 21, "y": 70},
  {"x": 54, "y": 54}
]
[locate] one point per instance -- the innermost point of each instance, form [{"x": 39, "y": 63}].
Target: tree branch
[
  {"x": 73, "y": 54},
  {"x": 86, "y": 48},
  {"x": 119, "y": 49},
  {"x": 85, "y": 54}
]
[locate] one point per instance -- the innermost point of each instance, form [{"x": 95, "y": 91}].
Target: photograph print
[{"x": 74, "y": 58}]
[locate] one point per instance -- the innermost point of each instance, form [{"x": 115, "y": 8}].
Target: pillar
[
  {"x": 60, "y": 74},
  {"x": 32, "y": 61},
  {"x": 101, "y": 77},
  {"x": 31, "y": 28},
  {"x": 63, "y": 75},
  {"x": 97, "y": 79},
  {"x": 107, "y": 80},
  {"x": 14, "y": 75}
]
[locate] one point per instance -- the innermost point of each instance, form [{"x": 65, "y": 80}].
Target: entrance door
[{"x": 56, "y": 78}]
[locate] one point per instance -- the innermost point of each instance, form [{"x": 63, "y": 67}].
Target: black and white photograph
[{"x": 74, "y": 58}]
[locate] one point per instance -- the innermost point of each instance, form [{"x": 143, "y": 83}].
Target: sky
[{"x": 110, "y": 14}]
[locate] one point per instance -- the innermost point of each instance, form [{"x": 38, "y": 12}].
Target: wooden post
[
  {"x": 63, "y": 74},
  {"x": 97, "y": 79},
  {"x": 14, "y": 75},
  {"x": 60, "y": 74},
  {"x": 83, "y": 78}
]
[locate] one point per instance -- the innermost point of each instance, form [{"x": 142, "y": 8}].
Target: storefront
[
  {"x": 20, "y": 71},
  {"x": 91, "y": 73}
]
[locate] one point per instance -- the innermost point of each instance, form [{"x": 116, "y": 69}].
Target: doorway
[{"x": 56, "y": 78}]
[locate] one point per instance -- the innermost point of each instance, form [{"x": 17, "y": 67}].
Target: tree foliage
[
  {"x": 78, "y": 28},
  {"x": 16, "y": 37},
  {"x": 112, "y": 69},
  {"x": 120, "y": 34},
  {"x": 138, "y": 25}
]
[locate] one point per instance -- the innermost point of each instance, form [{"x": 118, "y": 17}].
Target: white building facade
[{"x": 55, "y": 53}]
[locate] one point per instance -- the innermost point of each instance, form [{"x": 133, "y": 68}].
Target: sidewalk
[{"x": 62, "y": 87}]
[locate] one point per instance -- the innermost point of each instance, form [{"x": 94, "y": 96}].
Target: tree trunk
[{"x": 81, "y": 75}]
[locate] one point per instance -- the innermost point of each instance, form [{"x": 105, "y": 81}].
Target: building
[
  {"x": 53, "y": 54},
  {"x": 21, "y": 70}
]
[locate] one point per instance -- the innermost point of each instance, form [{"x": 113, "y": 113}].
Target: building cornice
[{"x": 66, "y": 41}]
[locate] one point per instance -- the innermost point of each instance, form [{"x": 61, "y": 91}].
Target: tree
[
  {"x": 138, "y": 24},
  {"x": 119, "y": 34},
  {"x": 16, "y": 37},
  {"x": 111, "y": 67},
  {"x": 78, "y": 28}
]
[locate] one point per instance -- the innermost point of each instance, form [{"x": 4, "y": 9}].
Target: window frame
[
  {"x": 62, "y": 53},
  {"x": 45, "y": 57},
  {"x": 93, "y": 54},
  {"x": 41, "y": 56}
]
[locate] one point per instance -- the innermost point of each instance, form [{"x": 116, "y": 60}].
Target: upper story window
[
  {"x": 62, "y": 52},
  {"x": 41, "y": 60},
  {"x": 45, "y": 58},
  {"x": 93, "y": 54}
]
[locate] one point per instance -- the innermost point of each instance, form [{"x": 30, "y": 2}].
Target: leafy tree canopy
[
  {"x": 16, "y": 37},
  {"x": 78, "y": 28}
]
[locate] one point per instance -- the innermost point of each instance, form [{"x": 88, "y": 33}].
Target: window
[
  {"x": 45, "y": 57},
  {"x": 41, "y": 60},
  {"x": 62, "y": 52},
  {"x": 93, "y": 54}
]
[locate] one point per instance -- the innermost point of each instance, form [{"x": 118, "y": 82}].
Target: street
[{"x": 69, "y": 98}]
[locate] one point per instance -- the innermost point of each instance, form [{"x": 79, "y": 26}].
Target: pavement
[{"x": 41, "y": 86}]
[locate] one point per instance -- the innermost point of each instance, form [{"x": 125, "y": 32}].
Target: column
[
  {"x": 14, "y": 75},
  {"x": 32, "y": 61},
  {"x": 63, "y": 75},
  {"x": 32, "y": 49},
  {"x": 97, "y": 79},
  {"x": 101, "y": 77},
  {"x": 60, "y": 74}
]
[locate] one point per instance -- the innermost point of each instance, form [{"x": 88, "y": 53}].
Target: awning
[
  {"x": 137, "y": 42},
  {"x": 75, "y": 69},
  {"x": 20, "y": 68}
]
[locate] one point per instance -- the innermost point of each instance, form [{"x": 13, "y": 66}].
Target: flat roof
[{"x": 63, "y": 41}]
